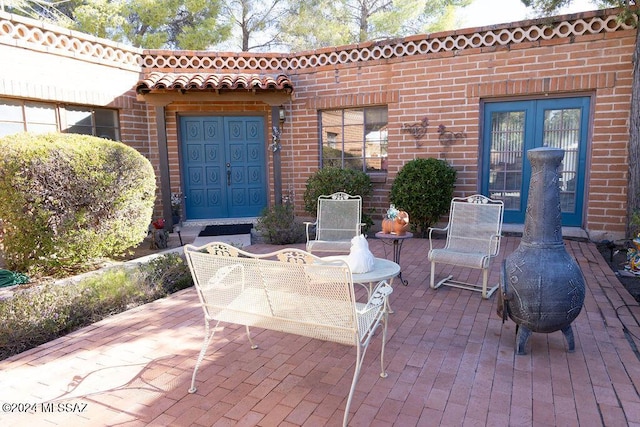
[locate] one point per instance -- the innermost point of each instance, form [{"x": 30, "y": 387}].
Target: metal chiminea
[{"x": 542, "y": 287}]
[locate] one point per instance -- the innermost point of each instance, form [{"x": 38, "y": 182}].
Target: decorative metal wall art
[
  {"x": 276, "y": 133},
  {"x": 447, "y": 137},
  {"x": 417, "y": 130}
]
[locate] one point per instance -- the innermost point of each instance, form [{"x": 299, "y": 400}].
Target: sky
[{"x": 487, "y": 12}]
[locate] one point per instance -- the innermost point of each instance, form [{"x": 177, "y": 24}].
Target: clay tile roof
[{"x": 213, "y": 81}]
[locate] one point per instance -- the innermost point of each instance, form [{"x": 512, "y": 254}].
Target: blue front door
[
  {"x": 223, "y": 166},
  {"x": 512, "y": 128}
]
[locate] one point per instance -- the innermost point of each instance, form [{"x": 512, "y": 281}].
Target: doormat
[{"x": 226, "y": 230}]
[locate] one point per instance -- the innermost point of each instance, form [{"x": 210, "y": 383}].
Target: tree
[
  {"x": 245, "y": 25},
  {"x": 255, "y": 22},
  {"x": 548, "y": 7},
  {"x": 47, "y": 10},
  {"x": 152, "y": 24},
  {"x": 313, "y": 24}
]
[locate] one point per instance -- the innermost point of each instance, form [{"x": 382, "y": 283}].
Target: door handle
[{"x": 228, "y": 174}]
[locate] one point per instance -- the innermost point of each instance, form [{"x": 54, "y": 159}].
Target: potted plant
[{"x": 176, "y": 205}]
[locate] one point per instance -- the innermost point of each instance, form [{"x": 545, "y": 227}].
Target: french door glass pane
[
  {"x": 507, "y": 146},
  {"x": 562, "y": 130}
]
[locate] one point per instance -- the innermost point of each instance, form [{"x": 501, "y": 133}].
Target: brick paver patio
[{"x": 451, "y": 362}]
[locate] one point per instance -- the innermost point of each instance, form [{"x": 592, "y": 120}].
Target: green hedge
[
  {"x": 424, "y": 188},
  {"x": 67, "y": 200}
]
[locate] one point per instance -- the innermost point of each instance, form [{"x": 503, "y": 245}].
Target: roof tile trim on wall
[
  {"x": 19, "y": 31},
  {"x": 213, "y": 81},
  {"x": 448, "y": 43}
]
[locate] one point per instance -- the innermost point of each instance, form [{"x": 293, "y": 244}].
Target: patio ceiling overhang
[{"x": 161, "y": 88}]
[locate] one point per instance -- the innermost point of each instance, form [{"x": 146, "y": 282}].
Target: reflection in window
[
  {"x": 562, "y": 130},
  {"x": 11, "y": 117},
  {"x": 40, "y": 117},
  {"x": 507, "y": 142},
  {"x": 355, "y": 138},
  {"x": 91, "y": 121}
]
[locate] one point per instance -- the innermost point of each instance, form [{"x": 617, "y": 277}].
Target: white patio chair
[
  {"x": 339, "y": 219},
  {"x": 473, "y": 240}
]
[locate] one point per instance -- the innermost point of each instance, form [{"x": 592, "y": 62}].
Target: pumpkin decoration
[
  {"x": 387, "y": 225},
  {"x": 395, "y": 221},
  {"x": 401, "y": 223}
]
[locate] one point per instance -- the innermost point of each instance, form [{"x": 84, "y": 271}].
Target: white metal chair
[
  {"x": 339, "y": 219},
  {"x": 473, "y": 240}
]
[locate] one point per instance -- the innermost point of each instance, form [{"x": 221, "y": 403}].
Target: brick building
[{"x": 479, "y": 98}]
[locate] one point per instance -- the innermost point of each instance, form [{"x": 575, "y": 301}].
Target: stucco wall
[{"x": 47, "y": 63}]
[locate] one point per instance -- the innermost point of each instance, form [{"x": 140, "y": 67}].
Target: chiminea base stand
[{"x": 523, "y": 333}]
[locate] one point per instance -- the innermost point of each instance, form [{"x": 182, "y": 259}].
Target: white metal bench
[{"x": 289, "y": 291}]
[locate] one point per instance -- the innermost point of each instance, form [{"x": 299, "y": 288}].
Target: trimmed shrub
[
  {"x": 424, "y": 188},
  {"x": 329, "y": 180},
  {"x": 67, "y": 200},
  {"x": 278, "y": 226}
]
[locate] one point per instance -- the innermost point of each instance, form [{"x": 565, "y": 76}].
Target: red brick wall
[{"x": 448, "y": 88}]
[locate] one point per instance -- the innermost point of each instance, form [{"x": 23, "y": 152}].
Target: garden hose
[{"x": 9, "y": 278}]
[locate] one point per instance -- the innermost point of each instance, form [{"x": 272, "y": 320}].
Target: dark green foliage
[
  {"x": 67, "y": 200},
  {"x": 167, "y": 274},
  {"x": 37, "y": 315},
  {"x": 329, "y": 180},
  {"x": 634, "y": 224},
  {"x": 424, "y": 188},
  {"x": 278, "y": 226}
]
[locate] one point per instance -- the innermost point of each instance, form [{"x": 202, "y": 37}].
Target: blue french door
[
  {"x": 223, "y": 166},
  {"x": 512, "y": 128}
]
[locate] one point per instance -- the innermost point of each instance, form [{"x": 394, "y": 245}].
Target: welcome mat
[{"x": 226, "y": 230}]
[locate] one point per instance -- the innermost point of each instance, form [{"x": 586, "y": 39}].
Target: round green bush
[
  {"x": 68, "y": 199},
  {"x": 424, "y": 188}
]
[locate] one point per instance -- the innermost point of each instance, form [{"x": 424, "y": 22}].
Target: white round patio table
[{"x": 383, "y": 269}]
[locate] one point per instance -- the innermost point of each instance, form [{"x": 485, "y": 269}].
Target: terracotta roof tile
[{"x": 213, "y": 81}]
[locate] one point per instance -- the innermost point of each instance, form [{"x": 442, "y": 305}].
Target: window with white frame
[
  {"x": 355, "y": 138},
  {"x": 41, "y": 117}
]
